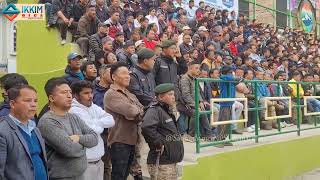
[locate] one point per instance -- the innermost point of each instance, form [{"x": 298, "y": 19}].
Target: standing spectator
[
  {"x": 87, "y": 26},
  {"x": 89, "y": 71},
  {"x": 159, "y": 123},
  {"x": 187, "y": 85},
  {"x": 95, "y": 42},
  {"x": 149, "y": 41},
  {"x": 128, "y": 27},
  {"x": 191, "y": 10},
  {"x": 65, "y": 134},
  {"x": 227, "y": 90},
  {"x": 152, "y": 17},
  {"x": 165, "y": 68},
  {"x": 115, "y": 25},
  {"x": 101, "y": 85},
  {"x": 142, "y": 80},
  {"x": 22, "y": 149},
  {"x": 63, "y": 17},
  {"x": 72, "y": 71},
  {"x": 97, "y": 119},
  {"x": 126, "y": 55},
  {"x": 127, "y": 112},
  {"x": 101, "y": 11}
]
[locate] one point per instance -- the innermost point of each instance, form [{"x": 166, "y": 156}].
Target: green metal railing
[
  {"x": 256, "y": 109},
  {"x": 273, "y": 9}
]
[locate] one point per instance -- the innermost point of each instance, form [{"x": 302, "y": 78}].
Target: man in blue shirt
[{"x": 22, "y": 149}]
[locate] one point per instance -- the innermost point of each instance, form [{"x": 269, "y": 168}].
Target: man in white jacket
[{"x": 97, "y": 119}]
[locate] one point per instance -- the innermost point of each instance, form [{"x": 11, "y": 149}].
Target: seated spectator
[
  {"x": 95, "y": 41},
  {"x": 128, "y": 27},
  {"x": 110, "y": 58},
  {"x": 126, "y": 54},
  {"x": 97, "y": 119},
  {"x": 63, "y": 17},
  {"x": 72, "y": 71},
  {"x": 107, "y": 45},
  {"x": 114, "y": 22},
  {"x": 208, "y": 63},
  {"x": 87, "y": 26},
  {"x": 309, "y": 91},
  {"x": 118, "y": 42},
  {"x": 185, "y": 47},
  {"x": 101, "y": 10},
  {"x": 152, "y": 17},
  {"x": 89, "y": 71},
  {"x": 149, "y": 40}
]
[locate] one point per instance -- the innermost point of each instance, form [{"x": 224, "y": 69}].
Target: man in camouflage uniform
[{"x": 160, "y": 131}]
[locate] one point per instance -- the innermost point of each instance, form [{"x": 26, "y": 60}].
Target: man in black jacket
[
  {"x": 95, "y": 41},
  {"x": 160, "y": 131},
  {"x": 165, "y": 68}
]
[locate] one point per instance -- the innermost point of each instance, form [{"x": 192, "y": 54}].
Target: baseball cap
[{"x": 73, "y": 55}]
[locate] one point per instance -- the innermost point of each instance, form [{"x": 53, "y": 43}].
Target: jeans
[
  {"x": 205, "y": 128},
  {"x": 315, "y": 104},
  {"x": 121, "y": 159},
  {"x": 182, "y": 124}
]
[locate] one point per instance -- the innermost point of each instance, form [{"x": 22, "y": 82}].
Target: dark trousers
[
  {"x": 63, "y": 28},
  {"x": 121, "y": 159},
  {"x": 224, "y": 115}
]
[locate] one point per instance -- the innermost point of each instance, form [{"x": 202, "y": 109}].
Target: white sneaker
[
  {"x": 250, "y": 129},
  {"x": 63, "y": 42},
  {"x": 283, "y": 124}
]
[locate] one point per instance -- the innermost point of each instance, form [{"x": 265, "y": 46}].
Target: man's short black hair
[
  {"x": 296, "y": 73},
  {"x": 84, "y": 66},
  {"x": 78, "y": 86},
  {"x": 14, "y": 92},
  {"x": 116, "y": 66},
  {"x": 14, "y": 80},
  {"x": 53, "y": 83}
]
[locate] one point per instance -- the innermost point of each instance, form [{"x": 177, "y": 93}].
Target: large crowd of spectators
[{"x": 130, "y": 47}]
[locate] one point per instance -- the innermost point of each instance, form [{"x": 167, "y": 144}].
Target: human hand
[
  {"x": 75, "y": 138},
  {"x": 66, "y": 21}
]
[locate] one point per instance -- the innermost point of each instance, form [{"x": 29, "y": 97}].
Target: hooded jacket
[
  {"x": 4, "y": 109},
  {"x": 98, "y": 94},
  {"x": 97, "y": 119}
]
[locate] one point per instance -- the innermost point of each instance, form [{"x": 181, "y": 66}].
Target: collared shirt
[{"x": 26, "y": 128}]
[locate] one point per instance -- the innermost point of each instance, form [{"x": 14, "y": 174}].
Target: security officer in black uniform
[
  {"x": 165, "y": 69},
  {"x": 160, "y": 131},
  {"x": 142, "y": 81}
]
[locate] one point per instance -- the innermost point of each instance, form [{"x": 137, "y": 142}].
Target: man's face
[
  {"x": 100, "y": 2},
  {"x": 170, "y": 51},
  {"x": 115, "y": 17},
  {"x": 107, "y": 46},
  {"x": 25, "y": 105},
  {"x": 116, "y": 3},
  {"x": 309, "y": 79},
  {"x": 183, "y": 19},
  {"x": 249, "y": 75},
  {"x": 92, "y": 12},
  {"x": 168, "y": 98},
  {"x": 150, "y": 63},
  {"x": 84, "y": 2},
  {"x": 316, "y": 78},
  {"x": 151, "y": 35},
  {"x": 120, "y": 38},
  {"x": 239, "y": 73},
  {"x": 62, "y": 97},
  {"x": 187, "y": 39},
  {"x": 202, "y": 5},
  {"x": 85, "y": 97},
  {"x": 282, "y": 77},
  {"x": 195, "y": 70},
  {"x": 215, "y": 74},
  {"x": 91, "y": 71},
  {"x": 75, "y": 64},
  {"x": 135, "y": 36},
  {"x": 130, "y": 50},
  {"x": 121, "y": 77},
  {"x": 130, "y": 19},
  {"x": 104, "y": 30},
  {"x": 260, "y": 75}
]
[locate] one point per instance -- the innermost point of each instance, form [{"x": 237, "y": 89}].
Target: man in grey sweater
[{"x": 65, "y": 134}]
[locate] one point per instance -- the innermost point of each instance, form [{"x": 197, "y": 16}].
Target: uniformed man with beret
[
  {"x": 165, "y": 68},
  {"x": 142, "y": 85},
  {"x": 160, "y": 131}
]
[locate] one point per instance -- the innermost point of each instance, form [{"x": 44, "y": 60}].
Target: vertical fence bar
[
  {"x": 254, "y": 8},
  {"x": 290, "y": 14},
  {"x": 278, "y": 120},
  {"x": 274, "y": 13},
  {"x": 229, "y": 126},
  {"x": 197, "y": 116},
  {"x": 316, "y": 117},
  {"x": 299, "y": 108},
  {"x": 256, "y": 106}
]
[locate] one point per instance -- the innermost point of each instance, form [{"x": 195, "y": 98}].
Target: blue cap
[{"x": 73, "y": 55}]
